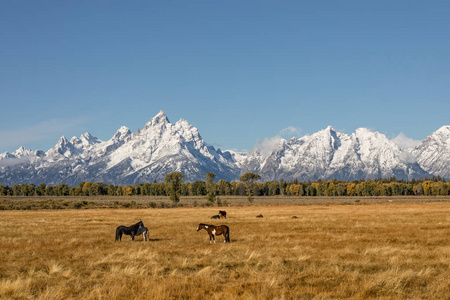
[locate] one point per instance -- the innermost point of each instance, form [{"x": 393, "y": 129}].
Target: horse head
[{"x": 201, "y": 226}]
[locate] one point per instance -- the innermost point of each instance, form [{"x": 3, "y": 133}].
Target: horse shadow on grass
[{"x": 151, "y": 240}]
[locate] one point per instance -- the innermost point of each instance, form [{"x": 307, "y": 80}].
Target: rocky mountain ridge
[{"x": 161, "y": 147}]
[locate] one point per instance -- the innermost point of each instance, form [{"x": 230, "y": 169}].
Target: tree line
[{"x": 248, "y": 185}]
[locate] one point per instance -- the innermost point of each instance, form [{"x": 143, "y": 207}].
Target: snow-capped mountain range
[{"x": 161, "y": 147}]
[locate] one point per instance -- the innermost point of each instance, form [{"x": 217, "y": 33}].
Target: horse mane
[{"x": 136, "y": 226}]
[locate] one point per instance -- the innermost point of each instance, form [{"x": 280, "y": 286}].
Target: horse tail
[
  {"x": 118, "y": 234},
  {"x": 227, "y": 237}
]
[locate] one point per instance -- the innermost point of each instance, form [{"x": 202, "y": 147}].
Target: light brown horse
[{"x": 215, "y": 230}]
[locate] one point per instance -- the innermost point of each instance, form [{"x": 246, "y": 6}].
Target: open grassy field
[
  {"x": 398, "y": 250},
  {"x": 86, "y": 202}
]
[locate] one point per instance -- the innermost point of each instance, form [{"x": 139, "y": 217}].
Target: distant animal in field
[
  {"x": 144, "y": 231},
  {"x": 215, "y": 217},
  {"x": 215, "y": 230},
  {"x": 128, "y": 230},
  {"x": 223, "y": 214},
  {"x": 259, "y": 216},
  {"x": 294, "y": 217}
]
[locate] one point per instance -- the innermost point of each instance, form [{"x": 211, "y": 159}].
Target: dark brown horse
[
  {"x": 128, "y": 230},
  {"x": 215, "y": 230}
]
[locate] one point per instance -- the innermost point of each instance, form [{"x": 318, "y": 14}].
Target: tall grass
[{"x": 379, "y": 251}]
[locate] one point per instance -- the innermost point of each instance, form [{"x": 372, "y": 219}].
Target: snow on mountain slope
[
  {"x": 161, "y": 147},
  {"x": 157, "y": 149},
  {"x": 433, "y": 153},
  {"x": 379, "y": 157},
  {"x": 328, "y": 154}
]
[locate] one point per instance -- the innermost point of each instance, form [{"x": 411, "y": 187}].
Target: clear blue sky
[{"x": 239, "y": 71}]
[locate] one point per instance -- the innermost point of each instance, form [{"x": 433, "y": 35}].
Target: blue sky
[{"x": 239, "y": 71}]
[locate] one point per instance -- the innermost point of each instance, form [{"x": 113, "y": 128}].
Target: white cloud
[
  {"x": 267, "y": 145},
  {"x": 8, "y": 162},
  {"x": 271, "y": 144},
  {"x": 290, "y": 132},
  {"x": 405, "y": 142},
  {"x": 38, "y": 132}
]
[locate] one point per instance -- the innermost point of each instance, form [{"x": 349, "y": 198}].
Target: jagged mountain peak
[
  {"x": 62, "y": 147},
  {"x": 159, "y": 120},
  {"x": 444, "y": 130},
  {"x": 22, "y": 151},
  {"x": 328, "y": 132},
  {"x": 122, "y": 133},
  {"x": 86, "y": 136},
  {"x": 183, "y": 124},
  {"x": 123, "y": 129},
  {"x": 324, "y": 140},
  {"x": 366, "y": 135},
  {"x": 187, "y": 131},
  {"x": 62, "y": 140},
  {"x": 88, "y": 139},
  {"x": 329, "y": 128},
  {"x": 433, "y": 153}
]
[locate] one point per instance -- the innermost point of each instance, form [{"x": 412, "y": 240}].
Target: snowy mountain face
[
  {"x": 157, "y": 149},
  {"x": 433, "y": 153},
  {"x": 161, "y": 147},
  {"x": 328, "y": 154}
]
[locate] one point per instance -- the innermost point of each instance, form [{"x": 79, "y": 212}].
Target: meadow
[{"x": 347, "y": 250}]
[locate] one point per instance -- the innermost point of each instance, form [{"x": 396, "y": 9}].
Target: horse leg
[{"x": 227, "y": 236}]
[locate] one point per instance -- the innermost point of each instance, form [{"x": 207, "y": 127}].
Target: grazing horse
[
  {"x": 215, "y": 230},
  {"x": 215, "y": 217},
  {"x": 144, "y": 231},
  {"x": 128, "y": 230},
  {"x": 223, "y": 214},
  {"x": 259, "y": 216}
]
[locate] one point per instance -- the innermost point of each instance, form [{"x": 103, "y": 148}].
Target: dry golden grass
[{"x": 382, "y": 251}]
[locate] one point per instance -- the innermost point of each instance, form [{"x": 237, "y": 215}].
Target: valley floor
[{"x": 379, "y": 250}]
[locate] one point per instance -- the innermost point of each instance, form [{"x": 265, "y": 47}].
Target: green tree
[
  {"x": 173, "y": 184},
  {"x": 249, "y": 179},
  {"x": 224, "y": 187},
  {"x": 198, "y": 188},
  {"x": 210, "y": 187},
  {"x": 40, "y": 190}
]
